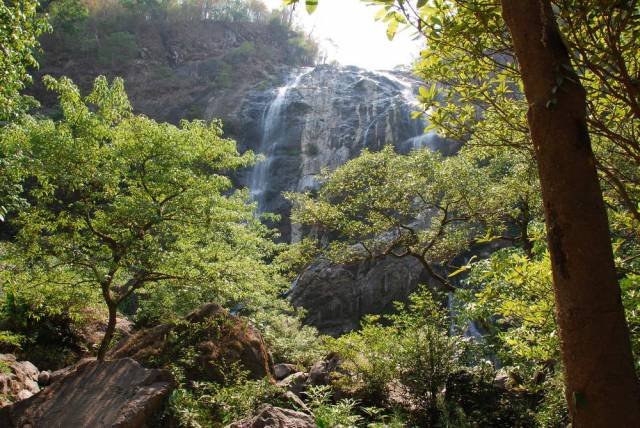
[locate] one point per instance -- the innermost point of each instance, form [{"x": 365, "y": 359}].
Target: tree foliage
[
  {"x": 20, "y": 26},
  {"x": 420, "y": 205},
  {"x": 123, "y": 203}
]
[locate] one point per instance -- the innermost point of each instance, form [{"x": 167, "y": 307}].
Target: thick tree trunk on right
[{"x": 601, "y": 385}]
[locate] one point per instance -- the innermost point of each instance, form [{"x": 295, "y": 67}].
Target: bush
[
  {"x": 411, "y": 351},
  {"x": 288, "y": 339},
  {"x": 207, "y": 404},
  {"x": 328, "y": 414},
  {"x": 369, "y": 356},
  {"x": 552, "y": 411}
]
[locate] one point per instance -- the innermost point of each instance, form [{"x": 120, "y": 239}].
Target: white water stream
[{"x": 272, "y": 118}]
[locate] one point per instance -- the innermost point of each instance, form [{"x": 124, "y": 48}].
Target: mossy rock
[{"x": 204, "y": 346}]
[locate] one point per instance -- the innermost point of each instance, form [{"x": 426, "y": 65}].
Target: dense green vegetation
[{"x": 108, "y": 213}]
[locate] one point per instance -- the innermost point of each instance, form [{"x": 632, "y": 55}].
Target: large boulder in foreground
[
  {"x": 114, "y": 394},
  {"x": 275, "y": 417},
  {"x": 206, "y": 343}
]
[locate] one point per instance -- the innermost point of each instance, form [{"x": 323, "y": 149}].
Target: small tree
[
  {"x": 418, "y": 205},
  {"x": 20, "y": 26},
  {"x": 122, "y": 202}
]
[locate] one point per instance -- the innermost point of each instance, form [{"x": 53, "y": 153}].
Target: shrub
[
  {"x": 288, "y": 339},
  {"x": 207, "y": 404},
  {"x": 411, "y": 350},
  {"x": 369, "y": 356},
  {"x": 328, "y": 414},
  {"x": 552, "y": 411}
]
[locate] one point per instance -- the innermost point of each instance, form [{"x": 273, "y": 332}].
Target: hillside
[{"x": 174, "y": 67}]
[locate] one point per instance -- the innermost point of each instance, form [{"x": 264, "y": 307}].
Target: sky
[{"x": 346, "y": 29}]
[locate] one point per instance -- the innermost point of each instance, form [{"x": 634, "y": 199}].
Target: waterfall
[
  {"x": 272, "y": 119},
  {"x": 318, "y": 120},
  {"x": 407, "y": 87}
]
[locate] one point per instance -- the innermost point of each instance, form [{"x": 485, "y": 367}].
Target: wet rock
[
  {"x": 274, "y": 417},
  {"x": 219, "y": 338},
  {"x": 118, "y": 393}
]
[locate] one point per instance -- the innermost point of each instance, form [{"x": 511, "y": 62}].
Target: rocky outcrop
[
  {"x": 320, "y": 118},
  {"x": 275, "y": 417},
  {"x": 321, "y": 372},
  {"x": 337, "y": 296},
  {"x": 119, "y": 393},
  {"x": 18, "y": 379},
  {"x": 210, "y": 337}
]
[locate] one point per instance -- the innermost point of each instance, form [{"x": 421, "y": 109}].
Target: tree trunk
[
  {"x": 601, "y": 385},
  {"x": 108, "y": 334}
]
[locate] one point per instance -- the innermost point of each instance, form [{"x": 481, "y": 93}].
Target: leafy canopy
[
  {"x": 20, "y": 26},
  {"x": 119, "y": 203}
]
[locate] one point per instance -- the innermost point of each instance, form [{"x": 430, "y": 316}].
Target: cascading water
[
  {"x": 320, "y": 119},
  {"x": 271, "y": 126},
  {"x": 407, "y": 86}
]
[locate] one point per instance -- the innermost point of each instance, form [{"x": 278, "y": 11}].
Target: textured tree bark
[{"x": 602, "y": 389}]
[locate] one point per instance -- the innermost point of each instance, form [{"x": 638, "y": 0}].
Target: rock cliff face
[
  {"x": 337, "y": 296},
  {"x": 320, "y": 118}
]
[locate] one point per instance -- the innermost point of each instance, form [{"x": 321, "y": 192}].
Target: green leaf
[
  {"x": 312, "y": 5},
  {"x": 392, "y": 29},
  {"x": 380, "y": 14}
]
